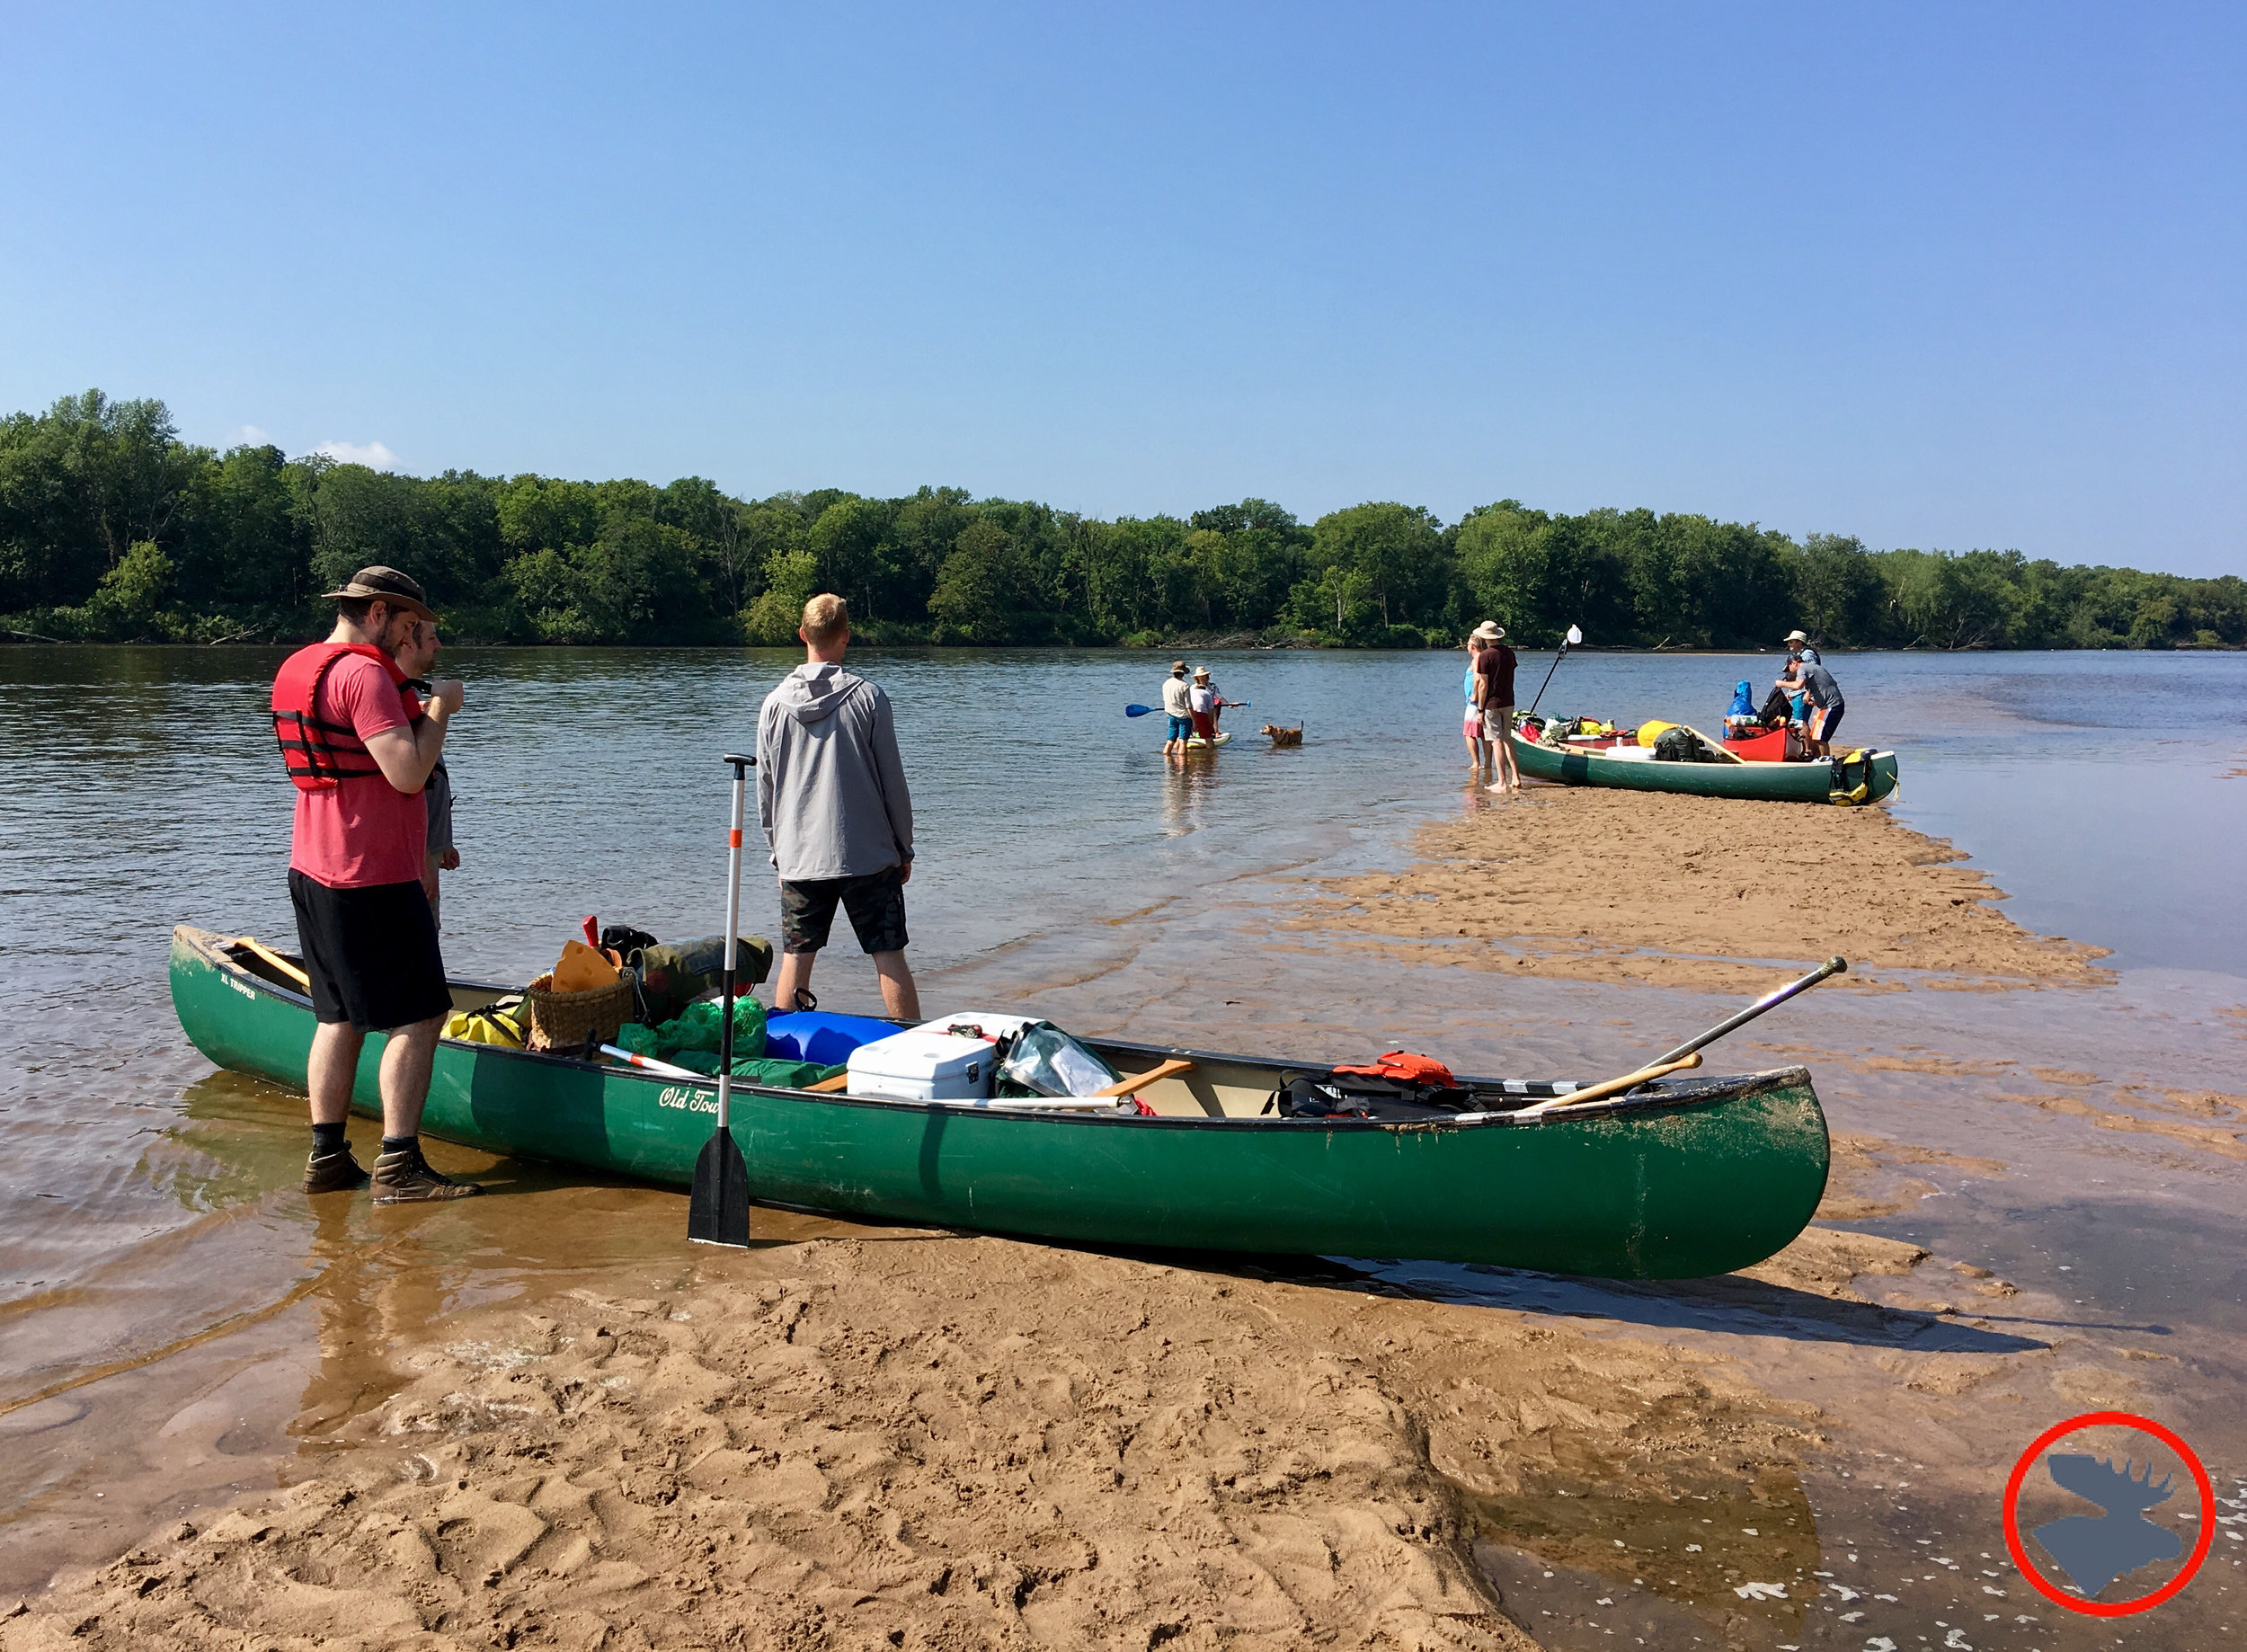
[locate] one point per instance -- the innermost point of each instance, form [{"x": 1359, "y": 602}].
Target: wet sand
[
  {"x": 541, "y": 1420},
  {"x": 1676, "y": 891}
]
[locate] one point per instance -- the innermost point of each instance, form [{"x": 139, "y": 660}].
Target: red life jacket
[
  {"x": 320, "y": 755},
  {"x": 1409, "y": 1068}
]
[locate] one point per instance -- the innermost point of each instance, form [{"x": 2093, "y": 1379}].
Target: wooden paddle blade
[{"x": 717, "y": 1210}]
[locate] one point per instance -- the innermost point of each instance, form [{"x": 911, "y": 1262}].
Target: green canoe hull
[
  {"x": 1776, "y": 782},
  {"x": 1685, "y": 1179}
]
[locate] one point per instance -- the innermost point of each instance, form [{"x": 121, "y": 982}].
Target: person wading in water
[{"x": 360, "y": 748}]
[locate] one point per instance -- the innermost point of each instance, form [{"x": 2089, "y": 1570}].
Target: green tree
[
  {"x": 970, "y": 603},
  {"x": 1394, "y": 556}
]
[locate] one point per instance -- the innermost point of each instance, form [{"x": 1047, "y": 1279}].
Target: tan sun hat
[
  {"x": 1490, "y": 631},
  {"x": 380, "y": 584},
  {"x": 1201, "y": 671},
  {"x": 1797, "y": 636},
  {"x": 1177, "y": 668}
]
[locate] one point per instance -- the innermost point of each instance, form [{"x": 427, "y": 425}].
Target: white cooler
[{"x": 921, "y": 1065}]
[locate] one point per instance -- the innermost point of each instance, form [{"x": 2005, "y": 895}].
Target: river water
[{"x": 162, "y": 1285}]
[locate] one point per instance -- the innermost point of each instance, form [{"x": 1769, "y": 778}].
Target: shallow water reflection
[{"x": 175, "y": 1317}]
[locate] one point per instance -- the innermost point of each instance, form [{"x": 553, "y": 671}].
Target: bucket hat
[
  {"x": 378, "y": 583},
  {"x": 1490, "y": 631}
]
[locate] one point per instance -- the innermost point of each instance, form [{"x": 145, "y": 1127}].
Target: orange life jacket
[
  {"x": 320, "y": 755},
  {"x": 1407, "y": 1067}
]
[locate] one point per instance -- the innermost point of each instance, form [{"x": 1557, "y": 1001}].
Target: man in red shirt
[
  {"x": 1494, "y": 698},
  {"x": 359, "y": 746}
]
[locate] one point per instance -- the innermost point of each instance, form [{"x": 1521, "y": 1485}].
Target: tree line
[{"x": 113, "y": 529}]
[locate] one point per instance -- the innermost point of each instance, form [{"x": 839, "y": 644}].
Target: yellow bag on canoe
[
  {"x": 492, "y": 1025},
  {"x": 1651, "y": 730}
]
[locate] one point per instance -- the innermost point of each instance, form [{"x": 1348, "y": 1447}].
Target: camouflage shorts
[{"x": 874, "y": 903}]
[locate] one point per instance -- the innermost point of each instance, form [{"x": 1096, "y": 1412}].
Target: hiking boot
[
  {"x": 405, "y": 1177},
  {"x": 333, "y": 1172}
]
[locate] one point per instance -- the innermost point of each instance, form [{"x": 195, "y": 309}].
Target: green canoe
[
  {"x": 1860, "y": 777},
  {"x": 1682, "y": 1178}
]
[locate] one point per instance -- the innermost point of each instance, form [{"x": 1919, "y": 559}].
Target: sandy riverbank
[
  {"x": 942, "y": 1441},
  {"x": 948, "y": 1442},
  {"x": 1691, "y": 891}
]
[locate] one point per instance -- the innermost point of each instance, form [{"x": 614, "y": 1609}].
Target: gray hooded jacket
[{"x": 831, "y": 788}]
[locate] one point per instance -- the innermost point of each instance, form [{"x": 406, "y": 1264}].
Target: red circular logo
[{"x": 2108, "y": 1609}]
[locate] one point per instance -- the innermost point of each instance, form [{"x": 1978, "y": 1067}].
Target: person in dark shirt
[{"x": 1494, "y": 698}]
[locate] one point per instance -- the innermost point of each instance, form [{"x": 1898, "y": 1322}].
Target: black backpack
[{"x": 1351, "y": 1094}]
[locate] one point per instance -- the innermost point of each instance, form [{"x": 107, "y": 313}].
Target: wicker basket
[{"x": 567, "y": 1020}]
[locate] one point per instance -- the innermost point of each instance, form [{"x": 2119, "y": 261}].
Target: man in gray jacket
[{"x": 830, "y": 796}]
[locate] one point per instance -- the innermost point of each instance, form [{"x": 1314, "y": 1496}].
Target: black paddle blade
[{"x": 717, "y": 1212}]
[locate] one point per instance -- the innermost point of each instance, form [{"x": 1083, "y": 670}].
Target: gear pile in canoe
[
  {"x": 1674, "y": 757},
  {"x": 1661, "y": 1174}
]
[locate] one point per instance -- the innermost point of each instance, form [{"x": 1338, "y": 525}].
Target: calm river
[{"x": 154, "y": 1258}]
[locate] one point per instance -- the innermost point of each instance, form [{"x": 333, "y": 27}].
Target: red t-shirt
[
  {"x": 363, "y": 831},
  {"x": 1497, "y": 663}
]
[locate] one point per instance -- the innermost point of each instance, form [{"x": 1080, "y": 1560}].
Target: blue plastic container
[{"x": 816, "y": 1036}]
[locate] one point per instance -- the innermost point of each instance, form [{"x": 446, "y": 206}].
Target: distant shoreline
[{"x": 21, "y": 639}]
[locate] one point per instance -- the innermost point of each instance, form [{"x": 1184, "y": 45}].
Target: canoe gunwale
[{"x": 1664, "y": 1096}]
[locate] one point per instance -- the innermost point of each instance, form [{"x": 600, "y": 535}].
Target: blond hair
[{"x": 826, "y": 617}]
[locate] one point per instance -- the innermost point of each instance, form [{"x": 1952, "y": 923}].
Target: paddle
[
  {"x": 1688, "y": 1053},
  {"x": 717, "y": 1212},
  {"x": 1570, "y": 641},
  {"x": 1137, "y": 711}
]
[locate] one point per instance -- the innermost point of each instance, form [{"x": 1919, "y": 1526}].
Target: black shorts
[
  {"x": 371, "y": 953},
  {"x": 875, "y": 903},
  {"x": 1824, "y": 720}
]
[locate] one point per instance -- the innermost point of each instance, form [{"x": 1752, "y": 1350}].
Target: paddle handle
[
  {"x": 1611, "y": 1086},
  {"x": 742, "y": 766},
  {"x": 661, "y": 1069},
  {"x": 1771, "y": 1000}
]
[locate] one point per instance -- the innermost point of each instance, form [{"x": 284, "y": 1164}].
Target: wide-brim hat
[
  {"x": 1797, "y": 636},
  {"x": 1490, "y": 631},
  {"x": 1176, "y": 666},
  {"x": 381, "y": 584},
  {"x": 1201, "y": 671}
]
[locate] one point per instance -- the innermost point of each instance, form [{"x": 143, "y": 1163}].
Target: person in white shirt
[
  {"x": 1203, "y": 698},
  {"x": 1178, "y": 705}
]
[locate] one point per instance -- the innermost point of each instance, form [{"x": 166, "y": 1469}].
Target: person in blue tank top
[{"x": 1478, "y": 748}]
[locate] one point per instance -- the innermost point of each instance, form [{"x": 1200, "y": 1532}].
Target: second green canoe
[{"x": 1859, "y": 777}]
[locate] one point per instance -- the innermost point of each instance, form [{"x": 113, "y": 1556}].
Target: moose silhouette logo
[{"x": 2096, "y": 1551}]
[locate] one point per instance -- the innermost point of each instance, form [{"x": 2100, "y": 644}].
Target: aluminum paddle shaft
[
  {"x": 717, "y": 1210},
  {"x": 732, "y": 938},
  {"x": 1567, "y": 643},
  {"x": 1771, "y": 1001}
]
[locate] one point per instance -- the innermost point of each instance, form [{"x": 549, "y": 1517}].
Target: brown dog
[{"x": 1284, "y": 737}]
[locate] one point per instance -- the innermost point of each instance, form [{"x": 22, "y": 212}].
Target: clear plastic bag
[{"x": 1044, "y": 1061}]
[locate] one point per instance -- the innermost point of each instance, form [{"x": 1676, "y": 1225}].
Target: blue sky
[{"x": 1936, "y": 275}]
